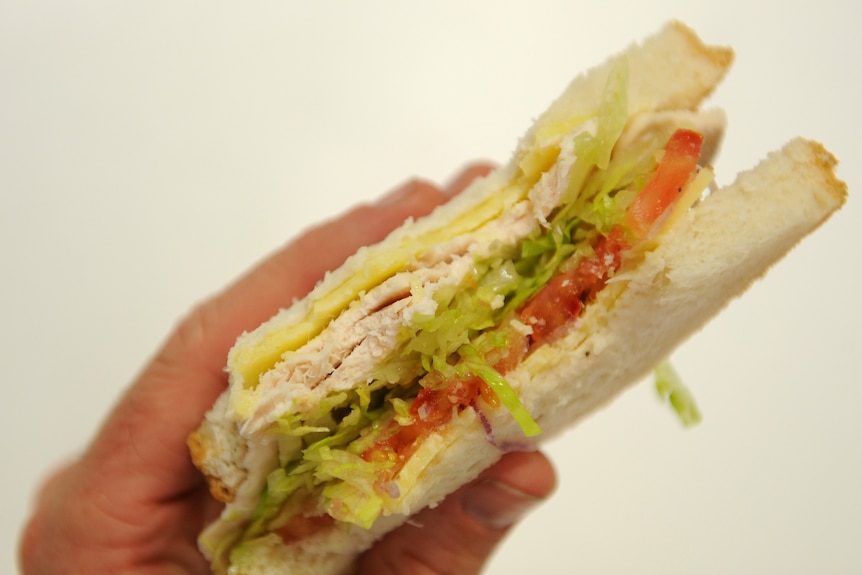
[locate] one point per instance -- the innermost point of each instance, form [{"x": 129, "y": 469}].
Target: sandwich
[{"x": 501, "y": 319}]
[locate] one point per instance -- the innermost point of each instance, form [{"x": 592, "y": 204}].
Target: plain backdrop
[{"x": 152, "y": 151}]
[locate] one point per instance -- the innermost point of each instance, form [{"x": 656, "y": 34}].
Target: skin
[{"x": 133, "y": 503}]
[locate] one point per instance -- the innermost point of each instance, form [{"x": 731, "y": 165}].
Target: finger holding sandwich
[{"x": 460, "y": 534}]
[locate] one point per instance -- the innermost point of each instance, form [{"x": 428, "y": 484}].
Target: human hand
[{"x": 134, "y": 503}]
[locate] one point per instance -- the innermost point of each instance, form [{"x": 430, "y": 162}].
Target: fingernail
[
  {"x": 497, "y": 505},
  {"x": 401, "y": 193},
  {"x": 467, "y": 176}
]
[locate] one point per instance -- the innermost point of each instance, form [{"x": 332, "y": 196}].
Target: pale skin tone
[{"x": 133, "y": 503}]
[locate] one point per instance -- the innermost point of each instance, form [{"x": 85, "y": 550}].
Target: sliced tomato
[
  {"x": 561, "y": 299},
  {"x": 675, "y": 169},
  {"x": 434, "y": 406},
  {"x": 431, "y": 409},
  {"x": 556, "y": 304}
]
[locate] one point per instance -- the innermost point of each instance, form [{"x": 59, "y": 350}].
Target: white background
[{"x": 152, "y": 151}]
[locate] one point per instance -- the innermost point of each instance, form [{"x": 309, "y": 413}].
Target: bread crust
[
  {"x": 671, "y": 70},
  {"x": 201, "y": 457}
]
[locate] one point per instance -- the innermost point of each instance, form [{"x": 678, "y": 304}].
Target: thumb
[{"x": 459, "y": 535}]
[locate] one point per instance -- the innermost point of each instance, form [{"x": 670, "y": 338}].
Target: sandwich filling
[{"x": 443, "y": 330}]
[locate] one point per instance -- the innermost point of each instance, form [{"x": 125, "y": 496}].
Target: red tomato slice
[
  {"x": 557, "y": 303},
  {"x": 675, "y": 169},
  {"x": 560, "y": 300},
  {"x": 434, "y": 407}
]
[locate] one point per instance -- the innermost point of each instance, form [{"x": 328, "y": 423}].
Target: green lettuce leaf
[{"x": 671, "y": 388}]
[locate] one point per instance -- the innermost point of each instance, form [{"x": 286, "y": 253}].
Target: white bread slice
[{"x": 705, "y": 260}]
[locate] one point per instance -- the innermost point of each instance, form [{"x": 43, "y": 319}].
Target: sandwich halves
[{"x": 500, "y": 319}]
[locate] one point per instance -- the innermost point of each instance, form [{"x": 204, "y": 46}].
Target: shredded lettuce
[
  {"x": 321, "y": 452},
  {"x": 594, "y": 151},
  {"x": 475, "y": 365},
  {"x": 671, "y": 388}
]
